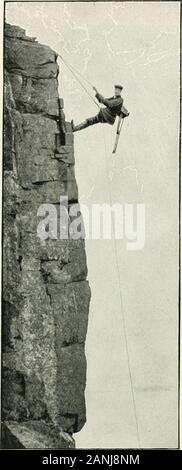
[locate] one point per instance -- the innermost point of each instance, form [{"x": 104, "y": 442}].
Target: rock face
[{"x": 45, "y": 292}]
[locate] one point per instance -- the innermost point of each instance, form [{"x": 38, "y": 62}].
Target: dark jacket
[{"x": 113, "y": 107}]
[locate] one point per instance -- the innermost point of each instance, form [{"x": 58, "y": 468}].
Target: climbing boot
[{"x": 80, "y": 126}]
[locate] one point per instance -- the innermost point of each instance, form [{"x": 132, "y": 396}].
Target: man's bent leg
[
  {"x": 93, "y": 120},
  {"x": 88, "y": 122}
]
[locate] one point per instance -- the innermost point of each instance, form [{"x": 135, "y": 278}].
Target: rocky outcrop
[{"x": 45, "y": 292}]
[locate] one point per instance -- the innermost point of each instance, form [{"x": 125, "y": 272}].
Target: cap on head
[{"x": 118, "y": 86}]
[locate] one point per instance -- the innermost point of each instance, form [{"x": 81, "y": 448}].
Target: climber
[{"x": 114, "y": 107}]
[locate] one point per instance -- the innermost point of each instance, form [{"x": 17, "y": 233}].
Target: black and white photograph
[{"x": 90, "y": 251}]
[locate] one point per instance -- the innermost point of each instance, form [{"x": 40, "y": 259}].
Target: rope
[
  {"x": 116, "y": 255},
  {"x": 79, "y": 81},
  {"x": 122, "y": 310},
  {"x": 79, "y": 73}
]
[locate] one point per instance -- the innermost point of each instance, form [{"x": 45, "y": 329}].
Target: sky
[{"x": 137, "y": 45}]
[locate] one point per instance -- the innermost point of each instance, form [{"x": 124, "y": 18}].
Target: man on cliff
[{"x": 114, "y": 107}]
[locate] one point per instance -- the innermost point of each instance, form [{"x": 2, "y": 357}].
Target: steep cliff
[{"x": 45, "y": 292}]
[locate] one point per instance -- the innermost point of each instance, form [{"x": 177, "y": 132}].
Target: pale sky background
[{"x": 137, "y": 45}]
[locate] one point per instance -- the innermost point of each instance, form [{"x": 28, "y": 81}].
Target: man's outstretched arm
[{"x": 109, "y": 103}]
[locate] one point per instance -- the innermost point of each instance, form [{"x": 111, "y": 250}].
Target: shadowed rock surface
[{"x": 45, "y": 292}]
